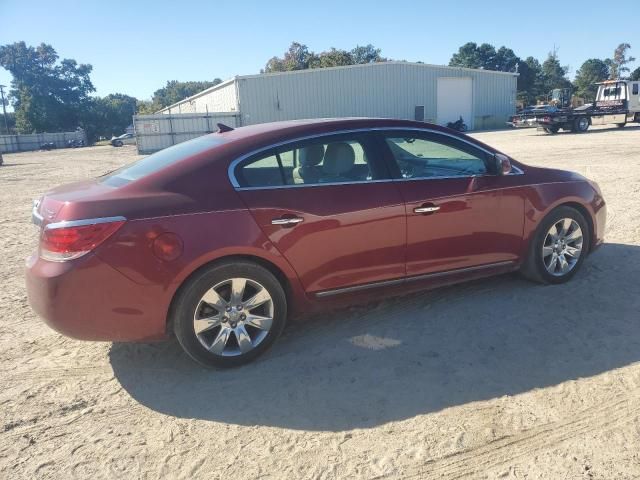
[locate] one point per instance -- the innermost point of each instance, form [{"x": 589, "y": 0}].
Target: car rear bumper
[{"x": 89, "y": 300}]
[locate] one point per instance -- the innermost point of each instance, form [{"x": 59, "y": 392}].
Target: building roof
[{"x": 314, "y": 70}]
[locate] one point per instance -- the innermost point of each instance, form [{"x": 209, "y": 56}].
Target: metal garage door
[{"x": 455, "y": 99}]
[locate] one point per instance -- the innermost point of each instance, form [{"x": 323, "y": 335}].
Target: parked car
[
  {"x": 75, "y": 143},
  {"x": 48, "y": 146},
  {"x": 124, "y": 139},
  {"x": 222, "y": 238}
]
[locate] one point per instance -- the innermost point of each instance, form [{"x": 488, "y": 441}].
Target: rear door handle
[
  {"x": 427, "y": 209},
  {"x": 287, "y": 221}
]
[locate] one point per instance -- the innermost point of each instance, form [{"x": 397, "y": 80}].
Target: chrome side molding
[{"x": 400, "y": 281}]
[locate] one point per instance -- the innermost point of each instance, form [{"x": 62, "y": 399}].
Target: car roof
[
  {"x": 324, "y": 125},
  {"x": 258, "y": 135}
]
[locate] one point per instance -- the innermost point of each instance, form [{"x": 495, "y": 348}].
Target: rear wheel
[
  {"x": 229, "y": 313},
  {"x": 581, "y": 124},
  {"x": 558, "y": 247}
]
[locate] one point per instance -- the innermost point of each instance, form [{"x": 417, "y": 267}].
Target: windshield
[{"x": 159, "y": 160}]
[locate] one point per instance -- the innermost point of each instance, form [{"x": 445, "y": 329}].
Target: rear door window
[{"x": 325, "y": 160}]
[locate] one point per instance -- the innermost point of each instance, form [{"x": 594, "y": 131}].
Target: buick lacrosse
[{"x": 220, "y": 239}]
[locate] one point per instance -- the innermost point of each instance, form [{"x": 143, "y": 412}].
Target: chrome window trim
[
  {"x": 81, "y": 223},
  {"x": 237, "y": 161},
  {"x": 400, "y": 281},
  {"x": 324, "y": 184}
]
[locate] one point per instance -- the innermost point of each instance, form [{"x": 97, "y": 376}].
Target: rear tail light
[{"x": 68, "y": 240}]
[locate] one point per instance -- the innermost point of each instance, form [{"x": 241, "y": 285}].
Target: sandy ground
[{"x": 499, "y": 378}]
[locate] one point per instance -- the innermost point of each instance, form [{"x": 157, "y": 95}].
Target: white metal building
[{"x": 438, "y": 94}]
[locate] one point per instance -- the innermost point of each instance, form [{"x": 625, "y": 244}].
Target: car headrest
[
  {"x": 339, "y": 158},
  {"x": 311, "y": 156}
]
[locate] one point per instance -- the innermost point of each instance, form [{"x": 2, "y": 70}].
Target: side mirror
[{"x": 503, "y": 164}]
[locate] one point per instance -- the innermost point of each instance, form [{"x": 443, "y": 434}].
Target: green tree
[
  {"x": 618, "y": 64},
  {"x": 472, "y": 55},
  {"x": 297, "y": 57},
  {"x": 635, "y": 75},
  {"x": 333, "y": 58},
  {"x": 366, "y": 54},
  {"x": 554, "y": 75},
  {"x": 505, "y": 60},
  {"x": 530, "y": 80},
  {"x": 11, "y": 122},
  {"x": 146, "y": 107},
  {"x": 46, "y": 95},
  {"x": 174, "y": 91},
  {"x": 592, "y": 71}
]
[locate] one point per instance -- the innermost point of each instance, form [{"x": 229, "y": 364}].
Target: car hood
[{"x": 549, "y": 175}]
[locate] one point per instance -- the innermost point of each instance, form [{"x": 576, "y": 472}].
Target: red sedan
[{"x": 221, "y": 239}]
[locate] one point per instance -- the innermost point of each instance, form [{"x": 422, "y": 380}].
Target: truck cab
[{"x": 617, "y": 101}]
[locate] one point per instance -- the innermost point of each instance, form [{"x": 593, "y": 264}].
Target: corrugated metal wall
[
  {"x": 155, "y": 132},
  {"x": 221, "y": 98},
  {"x": 379, "y": 90},
  {"x": 33, "y": 141}
]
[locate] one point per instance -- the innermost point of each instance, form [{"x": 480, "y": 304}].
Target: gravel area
[{"x": 498, "y": 378}]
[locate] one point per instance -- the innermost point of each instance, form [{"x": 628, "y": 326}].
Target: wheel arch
[
  {"x": 584, "y": 211},
  {"x": 268, "y": 265}
]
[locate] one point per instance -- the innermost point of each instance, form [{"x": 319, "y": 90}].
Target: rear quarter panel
[{"x": 206, "y": 237}]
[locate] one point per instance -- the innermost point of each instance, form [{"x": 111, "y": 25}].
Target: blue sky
[{"x": 136, "y": 46}]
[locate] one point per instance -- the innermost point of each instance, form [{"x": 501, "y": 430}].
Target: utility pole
[{"x": 4, "y": 109}]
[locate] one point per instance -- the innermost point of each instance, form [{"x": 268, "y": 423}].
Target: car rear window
[{"x": 159, "y": 160}]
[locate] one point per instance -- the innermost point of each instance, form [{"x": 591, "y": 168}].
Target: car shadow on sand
[{"x": 410, "y": 355}]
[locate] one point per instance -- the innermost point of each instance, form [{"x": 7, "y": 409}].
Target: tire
[
  {"x": 218, "y": 343},
  {"x": 621, "y": 125},
  {"x": 536, "y": 268},
  {"x": 581, "y": 124},
  {"x": 118, "y": 143}
]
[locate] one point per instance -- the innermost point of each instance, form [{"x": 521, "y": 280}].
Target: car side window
[
  {"x": 327, "y": 160},
  {"x": 431, "y": 158},
  {"x": 265, "y": 171}
]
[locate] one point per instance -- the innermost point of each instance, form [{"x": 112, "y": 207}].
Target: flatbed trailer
[{"x": 617, "y": 103}]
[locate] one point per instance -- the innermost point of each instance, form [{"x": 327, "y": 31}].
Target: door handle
[
  {"x": 427, "y": 209},
  {"x": 287, "y": 221}
]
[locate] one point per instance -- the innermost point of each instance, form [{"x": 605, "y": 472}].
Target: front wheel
[
  {"x": 558, "y": 247},
  {"x": 229, "y": 313}
]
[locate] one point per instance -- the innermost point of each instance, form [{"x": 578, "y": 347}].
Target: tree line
[
  {"x": 50, "y": 94},
  {"x": 536, "y": 79}
]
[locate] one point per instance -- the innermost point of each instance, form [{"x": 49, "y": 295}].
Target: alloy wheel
[
  {"x": 233, "y": 317},
  {"x": 562, "y": 247}
]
